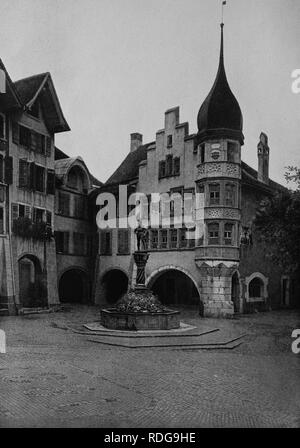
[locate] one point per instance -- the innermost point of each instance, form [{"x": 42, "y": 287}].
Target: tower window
[
  {"x": 202, "y": 153},
  {"x": 214, "y": 194},
  {"x": 169, "y": 141},
  {"x": 213, "y": 233},
  {"x": 231, "y": 151},
  {"x": 230, "y": 195},
  {"x": 228, "y": 232}
]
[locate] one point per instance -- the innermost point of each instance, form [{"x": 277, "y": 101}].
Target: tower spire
[{"x": 222, "y": 46}]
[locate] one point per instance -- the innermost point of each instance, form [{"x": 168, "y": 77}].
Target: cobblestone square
[{"x": 54, "y": 377}]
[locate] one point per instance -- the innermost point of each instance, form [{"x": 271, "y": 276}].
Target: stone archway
[
  {"x": 114, "y": 284},
  {"x": 32, "y": 288},
  {"x": 73, "y": 286},
  {"x": 175, "y": 286}
]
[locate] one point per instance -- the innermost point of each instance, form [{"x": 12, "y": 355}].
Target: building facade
[
  {"x": 52, "y": 252},
  {"x": 43, "y": 193},
  {"x": 223, "y": 268}
]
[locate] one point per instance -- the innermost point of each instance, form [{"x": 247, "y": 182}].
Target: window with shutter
[
  {"x": 8, "y": 168},
  {"x": 32, "y": 176},
  {"x": 169, "y": 165},
  {"x": 14, "y": 211},
  {"x": 23, "y": 173},
  {"x": 50, "y": 182},
  {"x": 63, "y": 203},
  {"x": 106, "y": 243},
  {"x": 2, "y": 193},
  {"x": 162, "y": 169},
  {"x": 24, "y": 136},
  {"x": 48, "y": 218},
  {"x": 38, "y": 215},
  {"x": 27, "y": 211},
  {"x": 1, "y": 220},
  {"x": 123, "y": 241},
  {"x": 48, "y": 146},
  {"x": 34, "y": 141},
  {"x": 1, "y": 168},
  {"x": 62, "y": 242},
  {"x": 176, "y": 166},
  {"x": 2, "y": 126},
  {"x": 15, "y": 133},
  {"x": 40, "y": 178}
]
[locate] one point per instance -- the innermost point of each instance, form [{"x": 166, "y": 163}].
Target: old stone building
[
  {"x": 52, "y": 252},
  {"x": 74, "y": 230},
  {"x": 224, "y": 269},
  {"x": 42, "y": 192}
]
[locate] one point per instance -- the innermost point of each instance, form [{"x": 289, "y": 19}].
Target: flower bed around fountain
[{"x": 139, "y": 310}]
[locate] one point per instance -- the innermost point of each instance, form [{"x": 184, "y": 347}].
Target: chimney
[
  {"x": 263, "y": 152},
  {"x": 136, "y": 140}
]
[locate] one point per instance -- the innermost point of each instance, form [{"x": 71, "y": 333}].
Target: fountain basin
[{"x": 144, "y": 320}]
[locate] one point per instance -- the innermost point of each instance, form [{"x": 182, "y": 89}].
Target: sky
[{"x": 118, "y": 65}]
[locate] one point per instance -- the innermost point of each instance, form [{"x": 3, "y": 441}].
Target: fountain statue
[{"x": 139, "y": 308}]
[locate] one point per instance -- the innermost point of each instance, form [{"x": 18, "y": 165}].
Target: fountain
[{"x": 139, "y": 308}]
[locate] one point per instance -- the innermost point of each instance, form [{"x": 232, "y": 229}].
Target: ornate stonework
[{"x": 216, "y": 169}]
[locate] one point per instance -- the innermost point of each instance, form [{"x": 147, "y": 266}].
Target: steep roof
[
  {"x": 129, "y": 168},
  {"x": 250, "y": 178},
  {"x": 28, "y": 87},
  {"x": 63, "y": 164},
  {"x": 41, "y": 86},
  {"x": 220, "y": 114},
  {"x": 11, "y": 99}
]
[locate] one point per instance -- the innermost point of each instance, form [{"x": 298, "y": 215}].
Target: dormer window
[{"x": 169, "y": 141}]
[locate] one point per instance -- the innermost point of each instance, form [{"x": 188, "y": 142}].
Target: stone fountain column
[{"x": 140, "y": 258}]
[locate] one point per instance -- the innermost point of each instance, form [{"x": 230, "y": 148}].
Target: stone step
[
  {"x": 230, "y": 345},
  {"x": 25, "y": 311}
]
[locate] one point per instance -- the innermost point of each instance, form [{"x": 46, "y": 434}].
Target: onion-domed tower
[{"x": 218, "y": 178}]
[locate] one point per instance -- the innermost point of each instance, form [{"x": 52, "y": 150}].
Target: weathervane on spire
[{"x": 223, "y": 4}]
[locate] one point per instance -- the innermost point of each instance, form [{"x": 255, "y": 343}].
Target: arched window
[
  {"x": 256, "y": 288},
  {"x": 213, "y": 233},
  {"x": 77, "y": 179}
]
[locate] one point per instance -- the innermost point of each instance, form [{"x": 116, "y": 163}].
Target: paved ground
[{"x": 51, "y": 376}]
